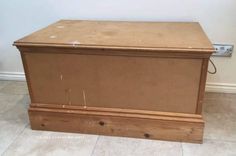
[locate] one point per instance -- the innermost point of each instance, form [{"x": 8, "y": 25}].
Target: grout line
[
  {"x": 219, "y": 140},
  {"x": 182, "y": 148},
  {"x": 95, "y": 145},
  {"x": 18, "y": 135}
]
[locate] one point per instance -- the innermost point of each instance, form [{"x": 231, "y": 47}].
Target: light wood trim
[
  {"x": 27, "y": 76},
  {"x": 117, "y": 124},
  {"x": 120, "y": 114},
  {"x": 181, "y": 50},
  {"x": 115, "y": 110},
  {"x": 115, "y": 52},
  {"x": 202, "y": 85}
]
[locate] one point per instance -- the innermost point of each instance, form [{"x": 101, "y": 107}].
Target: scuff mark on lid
[
  {"x": 53, "y": 36},
  {"x": 75, "y": 43},
  {"x": 60, "y": 26}
]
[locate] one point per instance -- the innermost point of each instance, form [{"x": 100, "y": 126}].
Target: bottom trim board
[{"x": 156, "y": 127}]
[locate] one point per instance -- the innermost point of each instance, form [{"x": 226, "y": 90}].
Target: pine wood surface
[
  {"x": 135, "y": 79},
  {"x": 180, "y": 36}
]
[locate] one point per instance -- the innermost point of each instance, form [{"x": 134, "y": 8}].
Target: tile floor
[{"x": 17, "y": 139}]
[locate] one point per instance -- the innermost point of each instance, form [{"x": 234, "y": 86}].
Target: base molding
[
  {"x": 221, "y": 87},
  {"x": 159, "y": 125},
  {"x": 16, "y": 76}
]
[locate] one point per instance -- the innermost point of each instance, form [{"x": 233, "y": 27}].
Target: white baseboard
[
  {"x": 16, "y": 76},
  {"x": 221, "y": 87},
  {"x": 210, "y": 87}
]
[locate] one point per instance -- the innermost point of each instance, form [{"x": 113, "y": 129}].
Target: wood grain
[
  {"x": 180, "y": 36},
  {"x": 202, "y": 85},
  {"x": 161, "y": 84},
  {"x": 117, "y": 110},
  {"x": 134, "y": 79},
  {"x": 118, "y": 124}
]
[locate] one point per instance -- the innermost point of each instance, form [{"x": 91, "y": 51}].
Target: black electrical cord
[{"x": 213, "y": 67}]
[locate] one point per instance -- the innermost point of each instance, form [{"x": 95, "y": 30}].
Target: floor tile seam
[
  {"x": 13, "y": 141},
  {"x": 95, "y": 146}
]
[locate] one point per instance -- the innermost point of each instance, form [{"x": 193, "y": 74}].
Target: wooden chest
[{"x": 135, "y": 79}]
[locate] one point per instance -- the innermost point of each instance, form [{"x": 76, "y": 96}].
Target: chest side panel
[{"x": 145, "y": 83}]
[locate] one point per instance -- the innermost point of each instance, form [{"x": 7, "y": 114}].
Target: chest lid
[{"x": 177, "y": 36}]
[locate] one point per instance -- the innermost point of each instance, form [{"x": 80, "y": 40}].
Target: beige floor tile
[
  {"x": 3, "y": 84},
  {"x": 13, "y": 118},
  {"x": 212, "y": 95},
  {"x": 38, "y": 143},
  {"x": 220, "y": 118},
  {"x": 8, "y": 101},
  {"x": 220, "y": 105},
  {"x": 16, "y": 111},
  {"x": 15, "y": 87},
  {"x": 120, "y": 146},
  {"x": 210, "y": 148},
  {"x": 220, "y": 127},
  {"x": 9, "y": 130}
]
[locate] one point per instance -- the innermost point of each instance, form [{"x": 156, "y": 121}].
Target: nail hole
[
  {"x": 43, "y": 125},
  {"x": 146, "y": 135},
  {"x": 101, "y": 123}
]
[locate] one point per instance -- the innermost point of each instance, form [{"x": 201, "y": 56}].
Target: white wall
[{"x": 217, "y": 17}]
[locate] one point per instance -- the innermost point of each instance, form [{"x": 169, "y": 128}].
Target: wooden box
[{"x": 135, "y": 79}]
